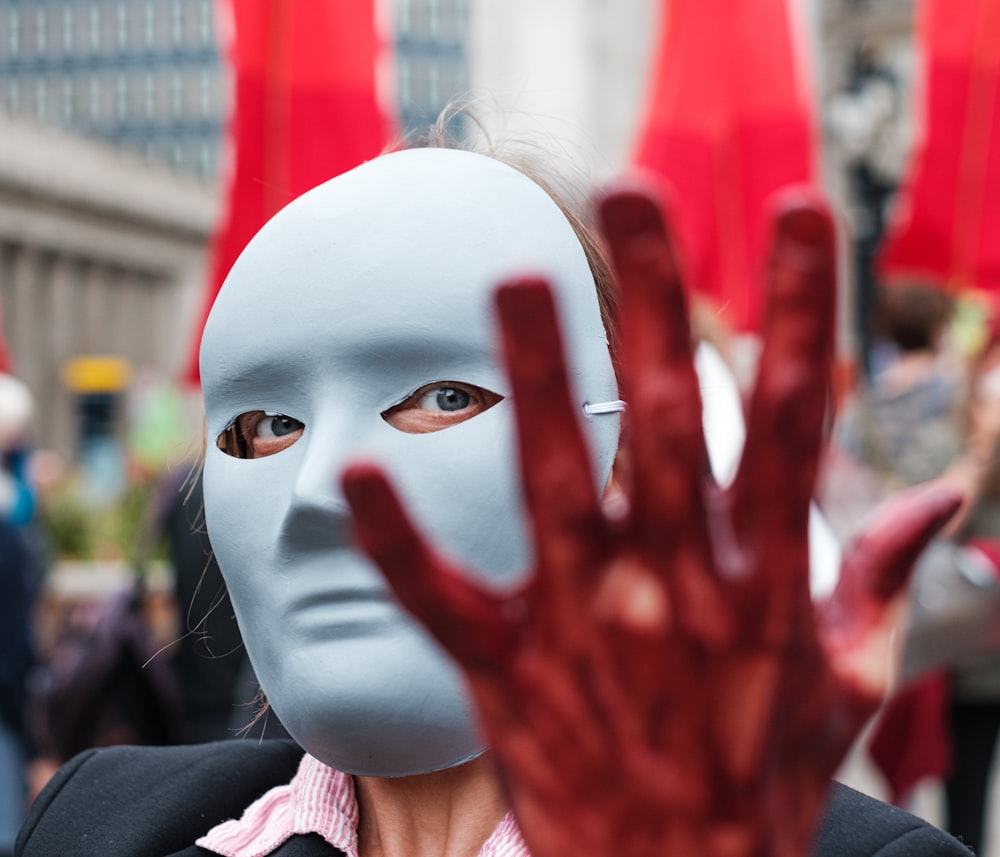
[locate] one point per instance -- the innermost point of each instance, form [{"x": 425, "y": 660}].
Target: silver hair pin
[{"x": 615, "y": 407}]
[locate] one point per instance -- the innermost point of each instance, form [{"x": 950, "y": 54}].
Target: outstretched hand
[{"x": 663, "y": 683}]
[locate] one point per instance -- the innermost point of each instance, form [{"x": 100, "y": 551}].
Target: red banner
[
  {"x": 728, "y": 121},
  {"x": 946, "y": 222},
  {"x": 305, "y": 108}
]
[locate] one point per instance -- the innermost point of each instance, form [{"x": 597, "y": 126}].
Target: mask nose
[{"x": 318, "y": 515}]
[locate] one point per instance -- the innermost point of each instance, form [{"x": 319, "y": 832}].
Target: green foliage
[{"x": 78, "y": 528}]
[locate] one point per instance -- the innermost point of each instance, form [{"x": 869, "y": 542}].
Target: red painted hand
[{"x": 663, "y": 684}]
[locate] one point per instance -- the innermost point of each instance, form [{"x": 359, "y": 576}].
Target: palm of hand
[{"x": 663, "y": 683}]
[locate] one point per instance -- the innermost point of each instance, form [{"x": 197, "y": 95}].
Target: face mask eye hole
[
  {"x": 231, "y": 442},
  {"x": 438, "y": 406},
  {"x": 258, "y": 434}
]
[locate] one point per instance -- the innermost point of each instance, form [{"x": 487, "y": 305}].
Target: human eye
[
  {"x": 257, "y": 434},
  {"x": 439, "y": 405}
]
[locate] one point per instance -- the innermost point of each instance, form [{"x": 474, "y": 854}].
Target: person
[
  {"x": 21, "y": 575},
  {"x": 905, "y": 427},
  {"x": 657, "y": 683},
  {"x": 919, "y": 419},
  {"x": 16, "y": 660},
  {"x": 974, "y": 686}
]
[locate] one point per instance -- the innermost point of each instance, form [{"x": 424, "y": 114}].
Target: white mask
[{"x": 356, "y": 295}]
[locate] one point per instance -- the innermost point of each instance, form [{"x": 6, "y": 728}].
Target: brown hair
[{"x": 913, "y": 315}]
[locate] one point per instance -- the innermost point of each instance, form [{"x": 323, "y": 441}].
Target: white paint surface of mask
[{"x": 355, "y": 295}]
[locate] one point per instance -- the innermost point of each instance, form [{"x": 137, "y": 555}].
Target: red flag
[
  {"x": 946, "y": 223},
  {"x": 305, "y": 108},
  {"x": 728, "y": 121}
]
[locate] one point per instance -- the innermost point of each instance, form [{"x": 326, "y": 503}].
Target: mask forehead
[{"x": 404, "y": 252}]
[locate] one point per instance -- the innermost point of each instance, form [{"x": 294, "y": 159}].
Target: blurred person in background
[
  {"x": 18, "y": 500},
  {"x": 905, "y": 427},
  {"x": 20, "y": 579},
  {"x": 974, "y": 711},
  {"x": 927, "y": 415},
  {"x": 16, "y": 658}
]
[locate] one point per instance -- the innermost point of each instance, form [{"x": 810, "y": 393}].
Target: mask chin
[{"x": 406, "y": 712}]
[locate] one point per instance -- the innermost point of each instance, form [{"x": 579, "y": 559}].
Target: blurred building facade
[
  {"x": 143, "y": 75},
  {"x": 100, "y": 255}
]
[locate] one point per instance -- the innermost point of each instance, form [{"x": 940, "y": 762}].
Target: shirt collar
[{"x": 320, "y": 799}]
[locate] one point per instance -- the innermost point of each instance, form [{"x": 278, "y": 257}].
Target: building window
[
  {"x": 68, "y": 31},
  {"x": 149, "y": 96},
  {"x": 121, "y": 97},
  {"x": 85, "y": 37},
  {"x": 207, "y": 23},
  {"x": 205, "y": 101},
  {"x": 420, "y": 83},
  {"x": 433, "y": 17},
  {"x": 450, "y": 23},
  {"x": 95, "y": 99},
  {"x": 149, "y": 24},
  {"x": 81, "y": 96},
  {"x": 176, "y": 94},
  {"x": 402, "y": 16},
  {"x": 41, "y": 99},
  {"x": 162, "y": 25},
  {"x": 55, "y": 37},
  {"x": 136, "y": 26},
  {"x": 106, "y": 94},
  {"x": 419, "y": 24},
  {"x": 26, "y": 41},
  {"x": 135, "y": 83},
  {"x": 14, "y": 33},
  {"x": 405, "y": 95},
  {"x": 40, "y": 32},
  {"x": 163, "y": 96},
  {"x": 66, "y": 101},
  {"x": 108, "y": 28},
  {"x": 14, "y": 95},
  {"x": 176, "y": 23},
  {"x": 121, "y": 25},
  {"x": 192, "y": 24}
]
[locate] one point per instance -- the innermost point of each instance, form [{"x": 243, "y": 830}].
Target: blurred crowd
[
  {"x": 131, "y": 665},
  {"x": 931, "y": 410}
]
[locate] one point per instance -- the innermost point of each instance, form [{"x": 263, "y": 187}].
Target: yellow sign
[{"x": 97, "y": 374}]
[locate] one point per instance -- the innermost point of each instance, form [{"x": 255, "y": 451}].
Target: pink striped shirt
[{"x": 320, "y": 800}]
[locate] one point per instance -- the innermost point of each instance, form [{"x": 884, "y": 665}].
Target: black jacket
[{"x": 155, "y": 801}]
